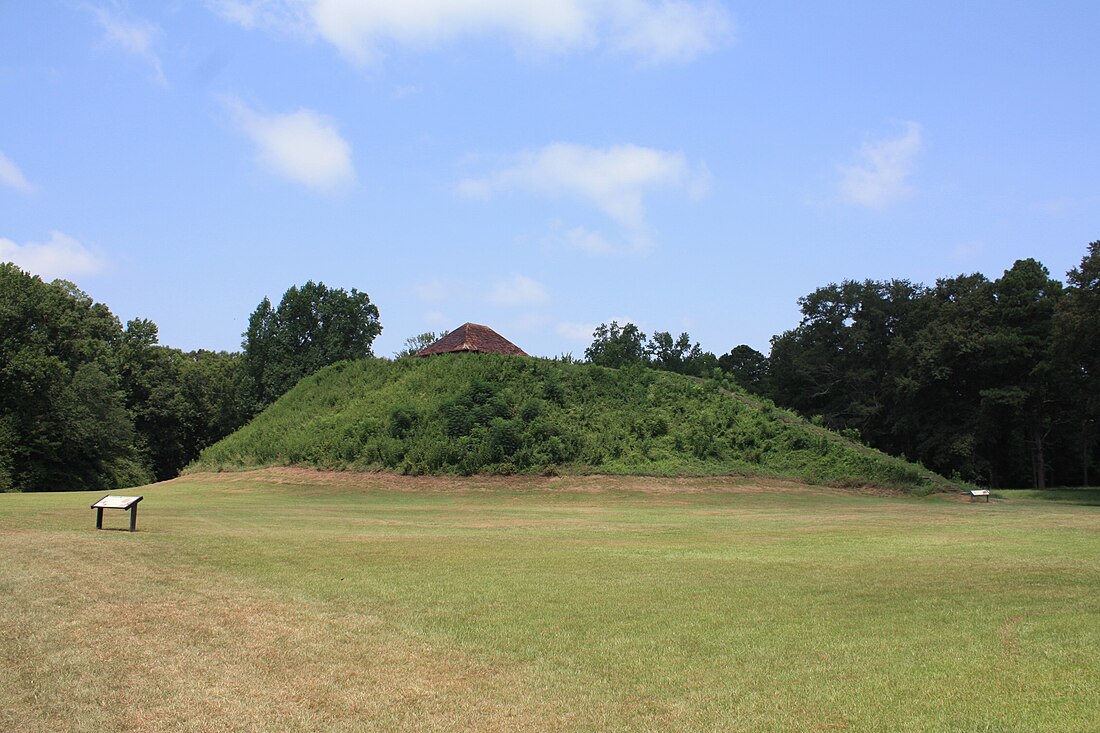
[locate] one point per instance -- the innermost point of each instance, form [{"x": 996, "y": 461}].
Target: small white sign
[
  {"x": 116, "y": 502},
  {"x": 980, "y": 492}
]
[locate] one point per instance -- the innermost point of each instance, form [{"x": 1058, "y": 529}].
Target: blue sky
[{"x": 542, "y": 166}]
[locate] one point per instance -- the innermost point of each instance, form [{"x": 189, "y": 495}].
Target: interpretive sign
[
  {"x": 974, "y": 494},
  {"x": 117, "y": 502}
]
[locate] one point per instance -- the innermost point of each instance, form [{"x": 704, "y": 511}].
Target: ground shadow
[{"x": 1085, "y": 497}]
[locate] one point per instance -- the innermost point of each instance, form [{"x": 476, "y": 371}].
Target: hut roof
[{"x": 472, "y": 337}]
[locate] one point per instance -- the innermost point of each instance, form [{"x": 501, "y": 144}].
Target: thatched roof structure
[{"x": 472, "y": 337}]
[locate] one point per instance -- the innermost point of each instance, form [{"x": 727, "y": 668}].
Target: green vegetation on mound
[{"x": 483, "y": 413}]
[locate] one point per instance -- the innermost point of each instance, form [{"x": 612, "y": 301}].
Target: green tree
[
  {"x": 86, "y": 404},
  {"x": 747, "y": 366},
  {"x": 150, "y": 381},
  {"x": 1077, "y": 344},
  {"x": 615, "y": 346},
  {"x": 840, "y": 362},
  {"x": 679, "y": 355},
  {"x": 940, "y": 378},
  {"x": 179, "y": 402},
  {"x": 314, "y": 326},
  {"x": 63, "y": 417},
  {"x": 668, "y": 354},
  {"x": 1019, "y": 356},
  {"x": 961, "y": 377},
  {"x": 212, "y": 386},
  {"x": 414, "y": 344}
]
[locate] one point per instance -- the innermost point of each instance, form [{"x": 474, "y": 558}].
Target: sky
[{"x": 542, "y": 166}]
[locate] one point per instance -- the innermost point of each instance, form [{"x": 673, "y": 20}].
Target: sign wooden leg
[
  {"x": 99, "y": 518},
  {"x": 133, "y": 518}
]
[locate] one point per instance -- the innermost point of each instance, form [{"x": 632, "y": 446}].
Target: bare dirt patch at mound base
[{"x": 381, "y": 481}]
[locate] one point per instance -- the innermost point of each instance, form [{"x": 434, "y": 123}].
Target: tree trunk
[
  {"x": 1084, "y": 452},
  {"x": 1038, "y": 461}
]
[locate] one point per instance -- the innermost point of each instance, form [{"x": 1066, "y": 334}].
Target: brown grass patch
[{"x": 95, "y": 640}]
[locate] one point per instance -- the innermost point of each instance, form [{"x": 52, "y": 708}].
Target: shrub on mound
[{"x": 486, "y": 413}]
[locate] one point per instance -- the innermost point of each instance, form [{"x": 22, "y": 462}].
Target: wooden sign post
[{"x": 117, "y": 502}]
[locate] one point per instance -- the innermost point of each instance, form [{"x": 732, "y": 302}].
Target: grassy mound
[{"x": 483, "y": 413}]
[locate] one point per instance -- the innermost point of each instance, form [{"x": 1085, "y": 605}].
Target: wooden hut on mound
[{"x": 472, "y": 337}]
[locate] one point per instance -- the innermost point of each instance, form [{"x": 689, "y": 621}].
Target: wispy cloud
[
  {"x": 61, "y": 256},
  {"x": 433, "y": 291},
  {"x": 588, "y": 241},
  {"x": 135, "y": 36},
  {"x": 580, "y": 333},
  {"x": 301, "y": 146},
  {"x": 967, "y": 251},
  {"x": 518, "y": 290},
  {"x": 669, "y": 31},
  {"x": 880, "y": 174},
  {"x": 614, "y": 180},
  {"x": 1061, "y": 206},
  {"x": 11, "y": 176},
  {"x": 653, "y": 31},
  {"x": 285, "y": 16},
  {"x": 436, "y": 319}
]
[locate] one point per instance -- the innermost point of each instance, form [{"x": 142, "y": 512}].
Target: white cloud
[
  {"x": 654, "y": 31},
  {"x": 880, "y": 174},
  {"x": 518, "y": 290},
  {"x": 60, "y": 257},
  {"x": 302, "y": 146},
  {"x": 614, "y": 180},
  {"x": 966, "y": 251},
  {"x": 474, "y": 188},
  {"x": 358, "y": 29},
  {"x": 286, "y": 16},
  {"x": 1061, "y": 206},
  {"x": 595, "y": 244},
  {"x": 436, "y": 319},
  {"x": 528, "y": 322},
  {"x": 11, "y": 176},
  {"x": 581, "y": 333},
  {"x": 404, "y": 91},
  {"x": 588, "y": 241},
  {"x": 136, "y": 37},
  {"x": 670, "y": 31},
  {"x": 433, "y": 291}
]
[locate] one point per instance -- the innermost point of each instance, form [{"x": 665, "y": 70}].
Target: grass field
[{"x": 284, "y": 600}]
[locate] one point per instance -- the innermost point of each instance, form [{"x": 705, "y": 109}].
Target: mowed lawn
[{"x": 285, "y": 600}]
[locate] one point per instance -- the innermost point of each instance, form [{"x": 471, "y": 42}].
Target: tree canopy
[
  {"x": 312, "y": 327},
  {"x": 972, "y": 376},
  {"x": 415, "y": 344},
  {"x": 86, "y": 404},
  {"x": 618, "y": 346},
  {"x": 64, "y": 418}
]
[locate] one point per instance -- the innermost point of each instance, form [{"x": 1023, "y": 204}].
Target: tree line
[
  {"x": 87, "y": 403},
  {"x": 993, "y": 381}
]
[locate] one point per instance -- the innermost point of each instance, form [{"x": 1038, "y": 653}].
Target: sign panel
[{"x": 116, "y": 502}]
